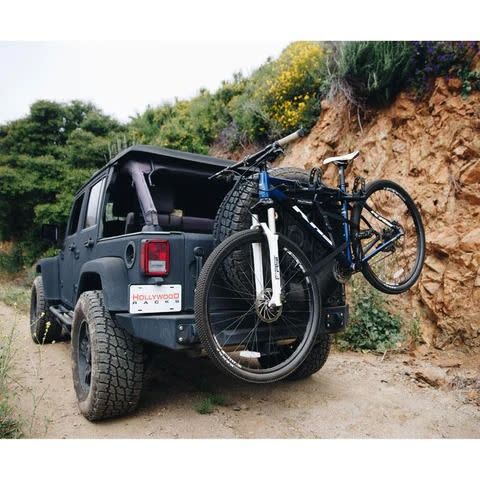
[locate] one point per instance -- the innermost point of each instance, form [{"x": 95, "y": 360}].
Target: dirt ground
[{"x": 354, "y": 396}]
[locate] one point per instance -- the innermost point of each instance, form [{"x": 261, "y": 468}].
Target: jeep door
[
  {"x": 70, "y": 252},
  {"x": 86, "y": 238}
]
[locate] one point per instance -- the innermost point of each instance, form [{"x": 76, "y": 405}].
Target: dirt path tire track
[{"x": 353, "y": 396}]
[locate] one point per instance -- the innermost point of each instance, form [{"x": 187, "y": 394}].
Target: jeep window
[
  {"x": 121, "y": 212},
  {"x": 75, "y": 215},
  {"x": 92, "y": 208},
  {"x": 182, "y": 201}
]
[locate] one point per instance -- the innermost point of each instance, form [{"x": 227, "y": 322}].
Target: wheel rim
[
  {"x": 84, "y": 357},
  {"x": 247, "y": 335},
  {"x": 387, "y": 214}
]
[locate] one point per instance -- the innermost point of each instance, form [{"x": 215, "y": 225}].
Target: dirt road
[{"x": 354, "y": 396}]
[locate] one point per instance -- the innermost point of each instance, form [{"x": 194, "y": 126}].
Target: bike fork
[{"x": 272, "y": 239}]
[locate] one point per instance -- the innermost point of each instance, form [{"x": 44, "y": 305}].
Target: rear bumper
[
  {"x": 179, "y": 332},
  {"x": 176, "y": 332}
]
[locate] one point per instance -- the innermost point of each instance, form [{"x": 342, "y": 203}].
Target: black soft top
[
  {"x": 142, "y": 152},
  {"x": 172, "y": 160}
]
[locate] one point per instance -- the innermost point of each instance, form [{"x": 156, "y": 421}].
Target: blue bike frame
[{"x": 268, "y": 191}]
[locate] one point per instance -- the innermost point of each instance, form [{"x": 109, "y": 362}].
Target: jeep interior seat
[
  {"x": 112, "y": 228},
  {"x": 170, "y": 219}
]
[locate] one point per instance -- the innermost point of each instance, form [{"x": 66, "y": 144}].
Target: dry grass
[{"x": 15, "y": 291}]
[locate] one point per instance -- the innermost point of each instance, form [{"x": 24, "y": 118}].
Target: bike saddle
[{"x": 343, "y": 159}]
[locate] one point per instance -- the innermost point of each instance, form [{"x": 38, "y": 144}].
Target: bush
[
  {"x": 435, "y": 59},
  {"x": 189, "y": 125},
  {"x": 369, "y": 73},
  {"x": 282, "y": 94},
  {"x": 10, "y": 258},
  {"x": 207, "y": 405},
  {"x": 371, "y": 327},
  {"x": 9, "y": 425}
]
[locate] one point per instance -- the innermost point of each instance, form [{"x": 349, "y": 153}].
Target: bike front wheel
[
  {"x": 242, "y": 334},
  {"x": 388, "y": 237}
]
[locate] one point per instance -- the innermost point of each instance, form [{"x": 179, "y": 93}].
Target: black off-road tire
[
  {"x": 315, "y": 360},
  {"x": 116, "y": 361},
  {"x": 44, "y": 327},
  {"x": 233, "y": 214}
]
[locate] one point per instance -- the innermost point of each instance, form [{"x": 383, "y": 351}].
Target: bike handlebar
[
  {"x": 290, "y": 138},
  {"x": 250, "y": 160}
]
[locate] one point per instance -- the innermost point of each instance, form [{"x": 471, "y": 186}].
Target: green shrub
[
  {"x": 470, "y": 81},
  {"x": 372, "y": 326},
  {"x": 11, "y": 259},
  {"x": 439, "y": 59},
  {"x": 369, "y": 73},
  {"x": 282, "y": 94},
  {"x": 207, "y": 405},
  {"x": 9, "y": 425},
  {"x": 189, "y": 125}
]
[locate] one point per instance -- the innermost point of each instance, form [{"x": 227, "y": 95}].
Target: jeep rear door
[{"x": 86, "y": 237}]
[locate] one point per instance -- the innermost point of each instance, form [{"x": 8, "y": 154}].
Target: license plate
[{"x": 155, "y": 298}]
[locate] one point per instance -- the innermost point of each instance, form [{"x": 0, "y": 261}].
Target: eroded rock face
[{"x": 432, "y": 148}]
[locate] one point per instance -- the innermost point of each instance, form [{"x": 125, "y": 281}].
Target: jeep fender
[
  {"x": 110, "y": 275},
  {"x": 48, "y": 268}
]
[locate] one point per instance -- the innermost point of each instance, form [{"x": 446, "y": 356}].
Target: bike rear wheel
[
  {"x": 238, "y": 328},
  {"x": 389, "y": 219}
]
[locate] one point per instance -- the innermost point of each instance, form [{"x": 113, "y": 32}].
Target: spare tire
[{"x": 234, "y": 215}]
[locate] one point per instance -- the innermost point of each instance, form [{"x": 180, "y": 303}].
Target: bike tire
[
  {"x": 205, "y": 314},
  {"x": 361, "y": 211}
]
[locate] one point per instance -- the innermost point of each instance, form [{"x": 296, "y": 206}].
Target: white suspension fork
[
  {"x": 272, "y": 239},
  {"x": 257, "y": 262}
]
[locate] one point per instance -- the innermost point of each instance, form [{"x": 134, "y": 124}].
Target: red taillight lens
[{"x": 155, "y": 257}]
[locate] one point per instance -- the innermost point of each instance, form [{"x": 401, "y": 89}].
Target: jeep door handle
[{"x": 89, "y": 243}]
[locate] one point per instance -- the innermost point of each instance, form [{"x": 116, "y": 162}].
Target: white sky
[{"x": 120, "y": 77}]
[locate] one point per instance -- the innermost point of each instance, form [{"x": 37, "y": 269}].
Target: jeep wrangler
[{"x": 138, "y": 234}]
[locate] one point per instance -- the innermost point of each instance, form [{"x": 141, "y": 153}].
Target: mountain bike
[{"x": 257, "y": 301}]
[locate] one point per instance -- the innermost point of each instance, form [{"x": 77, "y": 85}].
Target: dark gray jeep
[{"x": 138, "y": 234}]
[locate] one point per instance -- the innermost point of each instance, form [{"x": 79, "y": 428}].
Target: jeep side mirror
[{"x": 50, "y": 233}]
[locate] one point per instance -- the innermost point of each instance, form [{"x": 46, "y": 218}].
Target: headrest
[
  {"x": 163, "y": 197},
  {"x": 120, "y": 207}
]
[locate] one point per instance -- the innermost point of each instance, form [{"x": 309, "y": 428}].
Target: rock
[
  {"x": 473, "y": 395},
  {"x": 432, "y": 148},
  {"x": 236, "y": 408},
  {"x": 403, "y": 109},
  {"x": 449, "y": 363},
  {"x": 444, "y": 240},
  {"x": 471, "y": 241},
  {"x": 454, "y": 84},
  {"x": 431, "y": 377},
  {"x": 471, "y": 174}
]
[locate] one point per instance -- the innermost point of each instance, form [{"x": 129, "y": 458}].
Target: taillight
[{"x": 155, "y": 257}]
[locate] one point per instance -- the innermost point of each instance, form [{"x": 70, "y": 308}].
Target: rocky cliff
[{"x": 432, "y": 148}]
